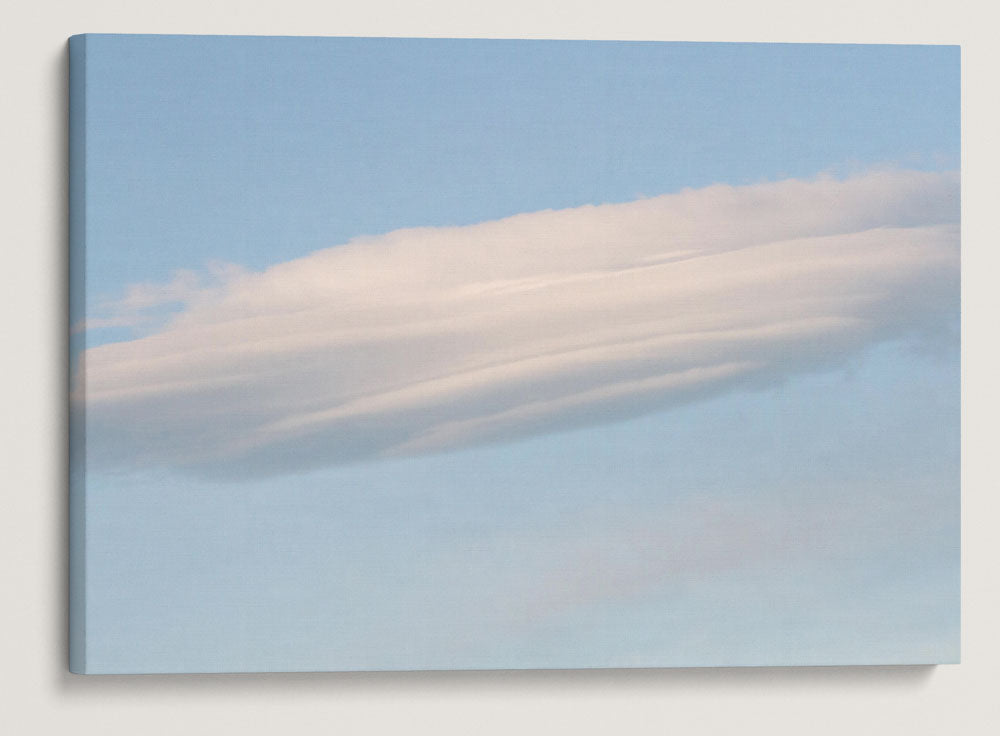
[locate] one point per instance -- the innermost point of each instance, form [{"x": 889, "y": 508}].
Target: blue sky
[{"x": 794, "y": 501}]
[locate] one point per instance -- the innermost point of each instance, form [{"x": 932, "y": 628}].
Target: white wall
[{"x": 39, "y": 696}]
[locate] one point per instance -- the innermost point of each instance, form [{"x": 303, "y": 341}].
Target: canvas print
[{"x": 403, "y": 354}]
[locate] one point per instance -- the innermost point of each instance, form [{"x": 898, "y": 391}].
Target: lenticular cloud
[{"x": 428, "y": 339}]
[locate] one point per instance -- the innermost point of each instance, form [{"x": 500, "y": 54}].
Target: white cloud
[
  {"x": 143, "y": 301},
  {"x": 432, "y": 338}
]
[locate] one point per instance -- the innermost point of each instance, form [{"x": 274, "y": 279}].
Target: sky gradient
[{"x": 409, "y": 354}]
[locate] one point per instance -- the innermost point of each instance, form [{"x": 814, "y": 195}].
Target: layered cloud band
[{"x": 429, "y": 339}]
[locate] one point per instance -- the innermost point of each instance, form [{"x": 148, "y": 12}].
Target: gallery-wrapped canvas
[{"x": 395, "y": 354}]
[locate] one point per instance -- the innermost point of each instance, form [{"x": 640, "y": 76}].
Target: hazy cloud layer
[{"x": 428, "y": 339}]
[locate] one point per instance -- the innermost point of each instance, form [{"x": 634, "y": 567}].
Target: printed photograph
[{"x": 410, "y": 354}]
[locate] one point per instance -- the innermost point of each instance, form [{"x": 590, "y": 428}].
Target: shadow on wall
[{"x": 717, "y": 679}]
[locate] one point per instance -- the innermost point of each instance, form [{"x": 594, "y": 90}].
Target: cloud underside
[{"x": 429, "y": 339}]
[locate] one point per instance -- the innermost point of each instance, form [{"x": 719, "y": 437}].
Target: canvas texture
[{"x": 403, "y": 354}]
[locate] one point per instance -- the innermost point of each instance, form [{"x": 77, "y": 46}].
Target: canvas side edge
[{"x": 77, "y": 308}]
